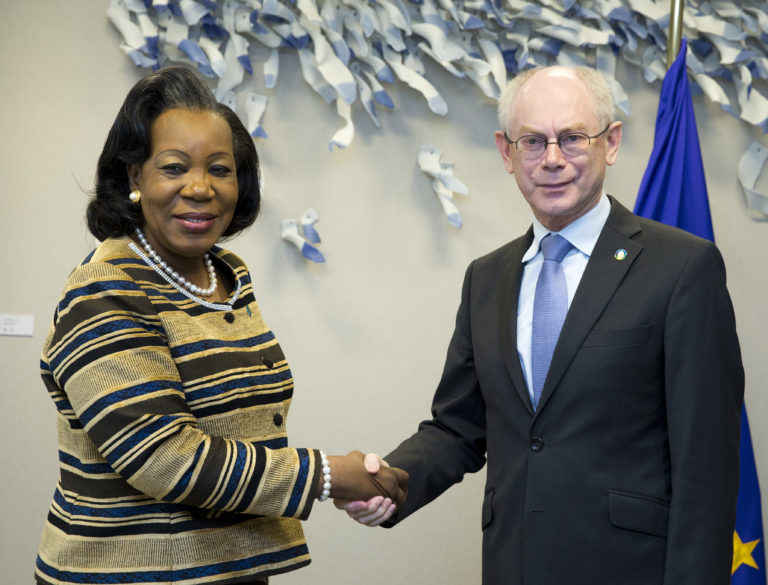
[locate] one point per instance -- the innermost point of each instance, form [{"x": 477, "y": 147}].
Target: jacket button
[
  {"x": 277, "y": 419},
  {"x": 537, "y": 444},
  {"x": 229, "y": 318}
]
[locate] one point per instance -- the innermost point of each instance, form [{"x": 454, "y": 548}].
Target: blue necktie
[{"x": 550, "y": 305}]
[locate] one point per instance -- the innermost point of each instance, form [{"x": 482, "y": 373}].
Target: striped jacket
[{"x": 173, "y": 452}]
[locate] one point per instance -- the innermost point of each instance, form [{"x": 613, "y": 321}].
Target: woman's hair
[
  {"x": 605, "y": 109},
  {"x": 110, "y": 213}
]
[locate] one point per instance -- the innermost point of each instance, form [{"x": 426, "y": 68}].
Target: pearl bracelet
[{"x": 326, "y": 478}]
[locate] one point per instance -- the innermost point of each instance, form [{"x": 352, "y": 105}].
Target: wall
[{"x": 366, "y": 332}]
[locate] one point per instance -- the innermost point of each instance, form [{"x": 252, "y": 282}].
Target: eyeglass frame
[{"x": 558, "y": 139}]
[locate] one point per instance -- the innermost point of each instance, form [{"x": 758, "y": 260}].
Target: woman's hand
[
  {"x": 353, "y": 480},
  {"x": 377, "y": 509}
]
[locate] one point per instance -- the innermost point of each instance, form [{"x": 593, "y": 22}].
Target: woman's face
[{"x": 188, "y": 184}]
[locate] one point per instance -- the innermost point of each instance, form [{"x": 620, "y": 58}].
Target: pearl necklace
[{"x": 193, "y": 288}]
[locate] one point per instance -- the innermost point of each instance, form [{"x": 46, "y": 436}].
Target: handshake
[{"x": 366, "y": 487}]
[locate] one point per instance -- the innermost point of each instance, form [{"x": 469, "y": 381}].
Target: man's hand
[
  {"x": 376, "y": 510},
  {"x": 354, "y": 479}
]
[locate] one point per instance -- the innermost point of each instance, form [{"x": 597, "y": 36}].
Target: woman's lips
[{"x": 196, "y": 221}]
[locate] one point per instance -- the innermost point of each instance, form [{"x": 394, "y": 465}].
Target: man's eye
[
  {"x": 533, "y": 140},
  {"x": 572, "y": 138}
]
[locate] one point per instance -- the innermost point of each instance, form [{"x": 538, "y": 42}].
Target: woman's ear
[{"x": 134, "y": 175}]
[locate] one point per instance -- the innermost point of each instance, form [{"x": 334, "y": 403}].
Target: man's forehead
[
  {"x": 554, "y": 97},
  {"x": 552, "y": 77}
]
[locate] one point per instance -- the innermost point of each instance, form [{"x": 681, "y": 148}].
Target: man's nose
[{"x": 553, "y": 157}]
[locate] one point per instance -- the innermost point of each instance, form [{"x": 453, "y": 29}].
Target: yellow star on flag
[{"x": 742, "y": 553}]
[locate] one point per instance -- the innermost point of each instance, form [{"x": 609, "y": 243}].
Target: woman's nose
[{"x": 197, "y": 186}]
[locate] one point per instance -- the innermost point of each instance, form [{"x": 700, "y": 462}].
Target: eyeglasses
[{"x": 570, "y": 143}]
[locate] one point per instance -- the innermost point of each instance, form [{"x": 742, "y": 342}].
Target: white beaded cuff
[{"x": 326, "y": 478}]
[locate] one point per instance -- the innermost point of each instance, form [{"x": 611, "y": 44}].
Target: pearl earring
[{"x": 135, "y": 197}]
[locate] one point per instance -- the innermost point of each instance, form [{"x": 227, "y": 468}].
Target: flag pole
[{"x": 675, "y": 30}]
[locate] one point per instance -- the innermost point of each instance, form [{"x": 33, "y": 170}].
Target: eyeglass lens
[{"x": 571, "y": 144}]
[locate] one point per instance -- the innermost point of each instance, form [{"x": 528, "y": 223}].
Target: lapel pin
[{"x": 620, "y": 254}]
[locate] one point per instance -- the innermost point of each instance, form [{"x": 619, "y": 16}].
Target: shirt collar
[{"x": 582, "y": 233}]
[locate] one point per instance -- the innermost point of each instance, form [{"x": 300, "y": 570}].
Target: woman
[{"x": 171, "y": 391}]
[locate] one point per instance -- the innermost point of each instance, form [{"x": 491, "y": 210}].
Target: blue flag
[
  {"x": 748, "y": 543},
  {"x": 674, "y": 191}
]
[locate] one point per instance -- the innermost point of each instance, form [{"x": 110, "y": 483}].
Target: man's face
[{"x": 558, "y": 188}]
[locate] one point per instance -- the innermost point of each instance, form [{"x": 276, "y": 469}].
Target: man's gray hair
[{"x": 605, "y": 108}]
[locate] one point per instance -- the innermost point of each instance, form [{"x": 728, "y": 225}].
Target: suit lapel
[
  {"x": 510, "y": 278},
  {"x": 602, "y": 276}
]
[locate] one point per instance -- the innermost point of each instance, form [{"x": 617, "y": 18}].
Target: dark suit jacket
[{"x": 628, "y": 471}]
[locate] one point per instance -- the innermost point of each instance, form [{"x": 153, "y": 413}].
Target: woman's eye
[
  {"x": 174, "y": 169},
  {"x": 220, "y": 171}
]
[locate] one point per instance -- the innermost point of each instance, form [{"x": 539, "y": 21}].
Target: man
[{"x": 616, "y": 463}]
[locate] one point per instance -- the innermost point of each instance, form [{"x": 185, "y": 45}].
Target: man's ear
[
  {"x": 613, "y": 140},
  {"x": 504, "y": 149},
  {"x": 134, "y": 175}
]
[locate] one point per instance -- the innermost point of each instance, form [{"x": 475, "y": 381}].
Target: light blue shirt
[{"x": 582, "y": 234}]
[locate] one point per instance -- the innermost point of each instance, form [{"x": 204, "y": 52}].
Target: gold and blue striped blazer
[{"x": 174, "y": 459}]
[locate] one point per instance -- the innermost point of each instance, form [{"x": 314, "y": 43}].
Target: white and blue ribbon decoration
[{"x": 349, "y": 48}]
